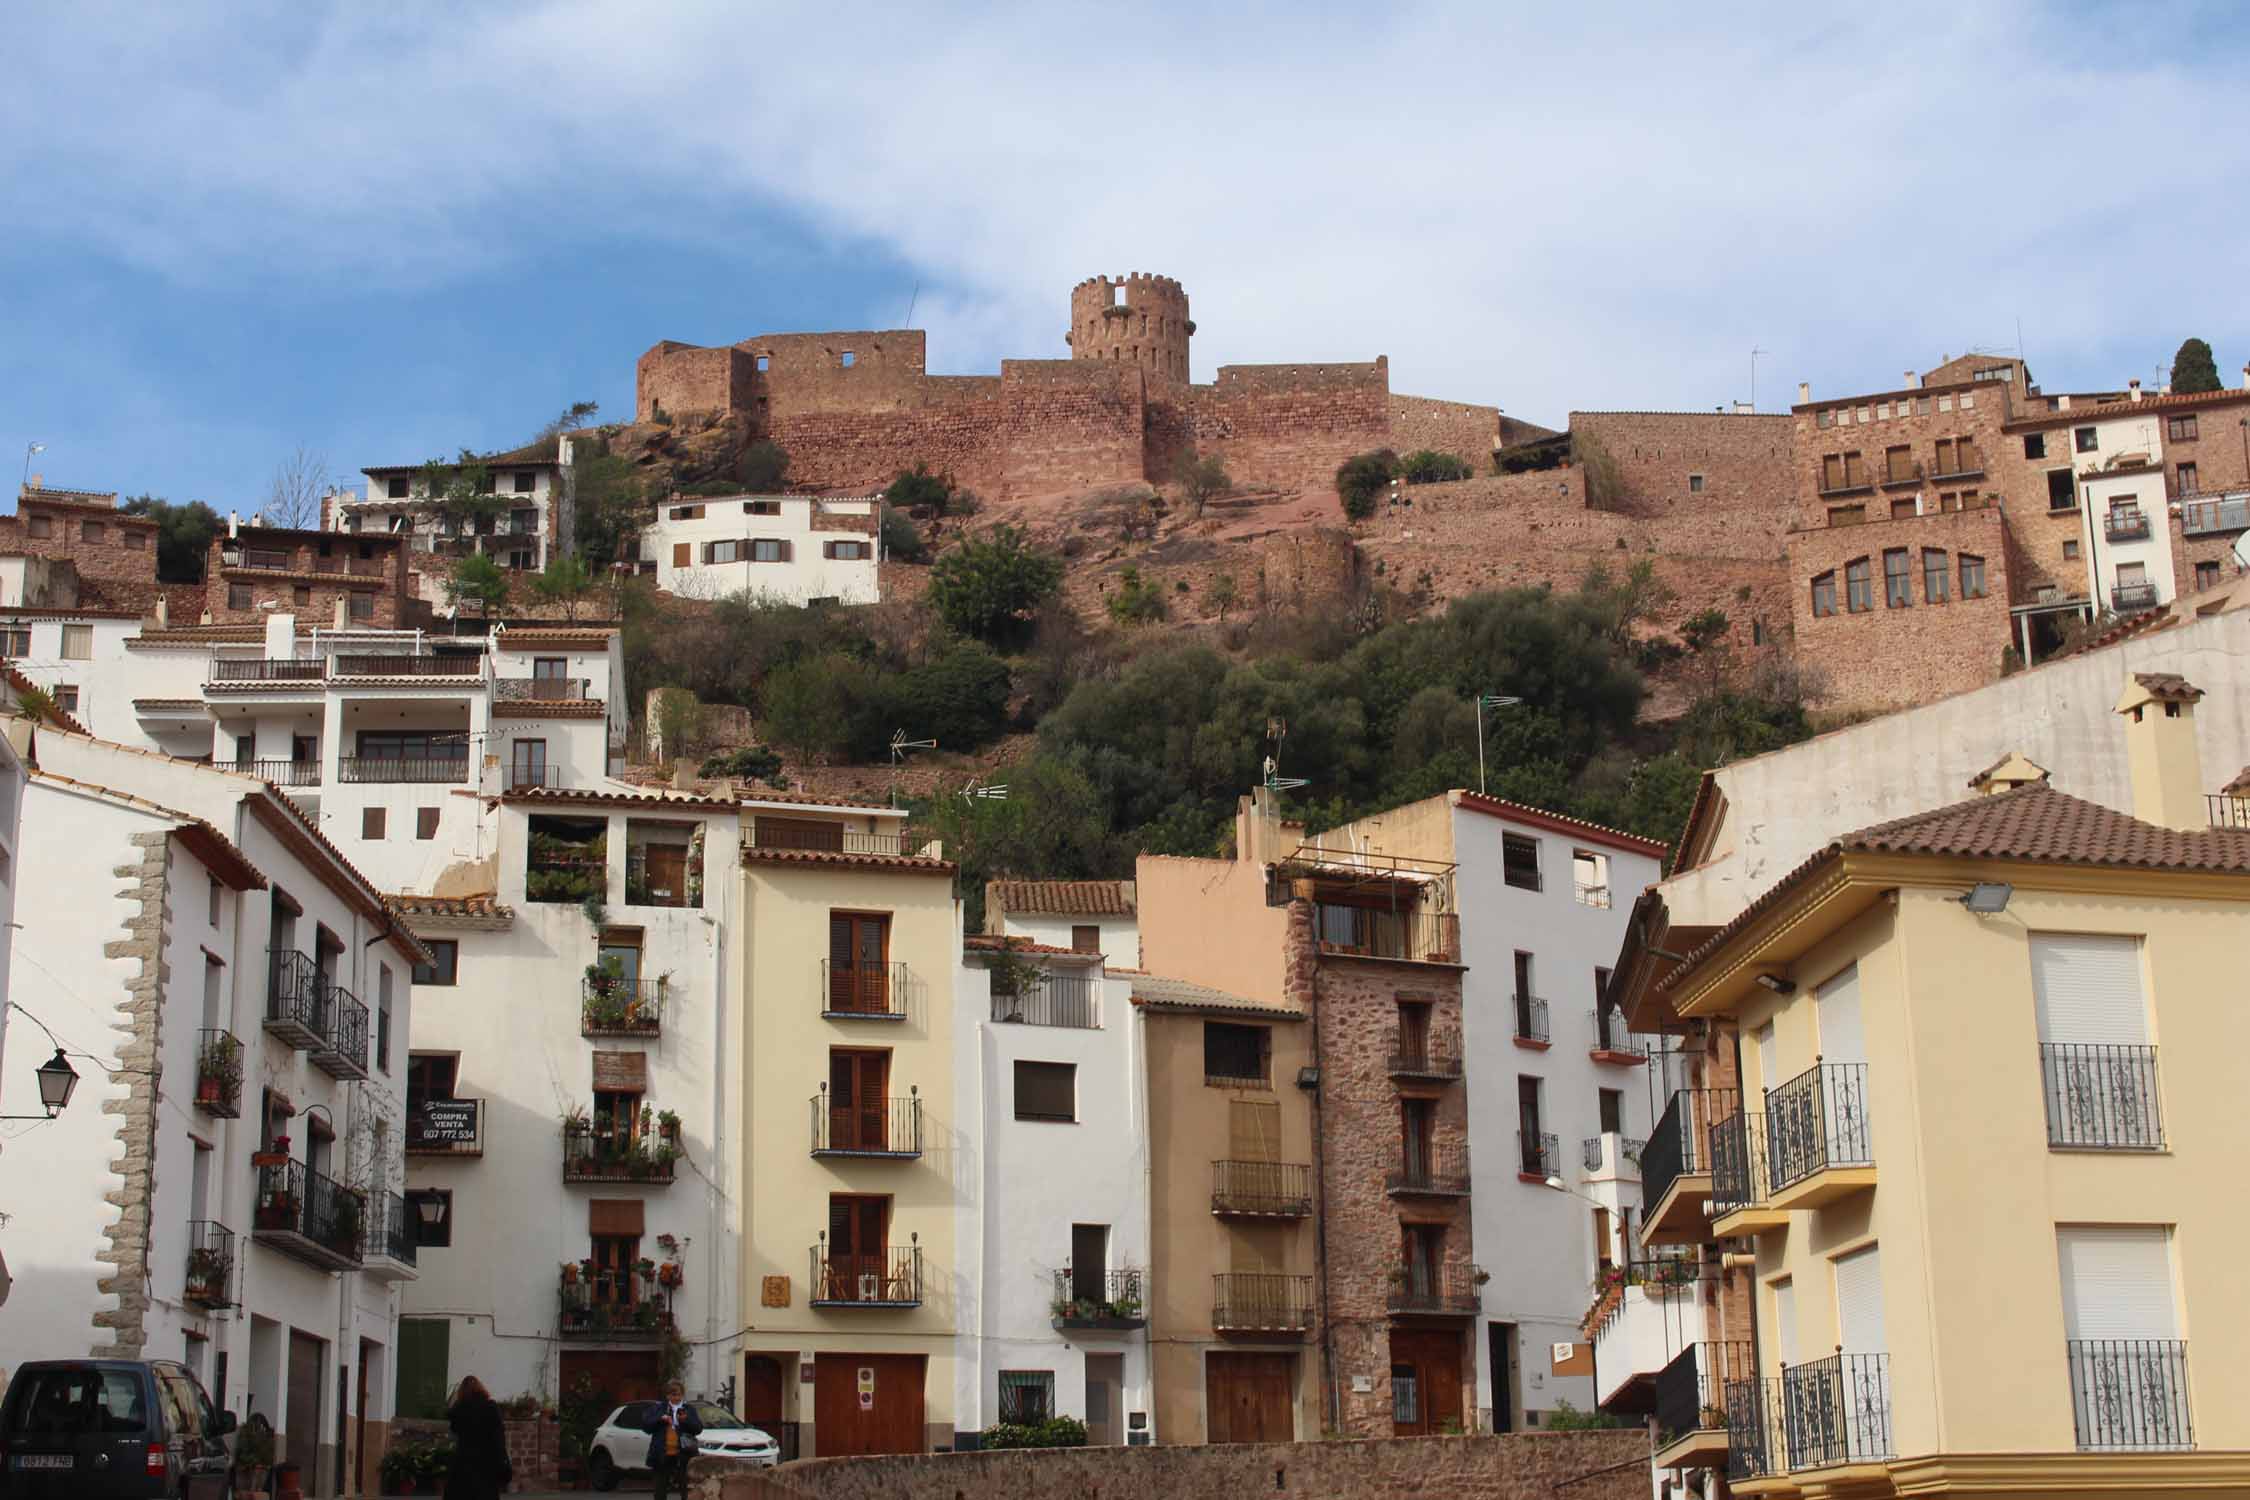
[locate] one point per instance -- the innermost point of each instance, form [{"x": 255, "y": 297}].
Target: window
[
  {"x": 39, "y": 526},
  {"x": 1898, "y": 578},
  {"x": 1972, "y": 576},
  {"x": 1589, "y": 877},
  {"x": 430, "y": 1075},
  {"x": 215, "y": 888},
  {"x": 135, "y": 541},
  {"x": 1785, "y": 1319},
  {"x": 1519, "y": 861},
  {"x": 1757, "y": 631},
  {"x": 413, "y": 744},
  {"x": 765, "y": 362},
  {"x": 2086, "y": 439},
  {"x": 1027, "y": 1396},
  {"x": 858, "y": 963},
  {"x": 92, "y": 531},
  {"x": 444, "y": 966},
  {"x": 849, "y": 359},
  {"x": 1945, "y": 458},
  {"x": 66, "y": 697},
  {"x": 2070, "y": 551},
  {"x": 2128, "y": 1367},
  {"x": 1824, "y": 595},
  {"x": 2184, "y": 480},
  {"x": 78, "y": 642},
  {"x": 363, "y": 606},
  {"x": 300, "y": 594},
  {"x": 2035, "y": 445},
  {"x": 1529, "y": 1131},
  {"x": 15, "y": 641},
  {"x": 2062, "y": 490},
  {"x": 526, "y": 481},
  {"x": 1612, "y": 1106},
  {"x": 1846, "y": 515},
  {"x": 722, "y": 552},
  {"x": 1859, "y": 585},
  {"x": 371, "y": 821},
  {"x": 1695, "y": 484},
  {"x": 1859, "y": 1301},
  {"x": 1898, "y": 463},
  {"x": 2100, "y": 1072},
  {"x": 432, "y": 1231},
  {"x": 859, "y": 1089},
  {"x": 2180, "y": 429},
  {"x": 1085, "y": 939},
  {"x": 425, "y": 823},
  {"x": 2206, "y": 575},
  {"x": 1237, "y": 1057},
  {"x": 1824, "y": 419},
  {"x": 1047, "y": 1091},
  {"x": 398, "y": 487},
  {"x": 767, "y": 550},
  {"x": 845, "y": 551},
  {"x": 761, "y": 507},
  {"x": 238, "y": 596},
  {"x": 687, "y": 512},
  {"x": 1936, "y": 577},
  {"x": 527, "y": 763},
  {"x": 383, "y": 1018}
]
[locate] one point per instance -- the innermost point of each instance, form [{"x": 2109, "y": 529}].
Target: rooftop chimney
[
  {"x": 1913, "y": 381},
  {"x": 2246, "y": 377},
  {"x": 163, "y": 612},
  {"x": 2134, "y": 387},
  {"x": 341, "y": 618},
  {"x": 2167, "y": 769},
  {"x": 234, "y": 524},
  {"x": 2006, "y": 774},
  {"x": 2062, "y": 403},
  {"x": 1804, "y": 387}
]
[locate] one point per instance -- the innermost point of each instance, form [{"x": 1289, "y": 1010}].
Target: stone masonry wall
[
  {"x": 1069, "y": 424},
  {"x": 1287, "y": 426},
  {"x": 1454, "y": 427},
  {"x": 137, "y": 1054},
  {"x": 1599, "y": 1465},
  {"x": 1744, "y": 461},
  {"x": 677, "y": 379},
  {"x": 115, "y": 554},
  {"x": 846, "y": 451}
]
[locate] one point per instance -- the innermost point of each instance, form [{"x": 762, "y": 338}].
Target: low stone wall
[{"x": 1606, "y": 1465}]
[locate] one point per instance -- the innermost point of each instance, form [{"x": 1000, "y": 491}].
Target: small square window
[
  {"x": 2035, "y": 445},
  {"x": 527, "y": 482},
  {"x": 444, "y": 967},
  {"x": 39, "y": 526},
  {"x": 425, "y": 823},
  {"x": 765, "y": 362},
  {"x": 301, "y": 594},
  {"x": 78, "y": 642},
  {"x": 238, "y": 596},
  {"x": 1047, "y": 1091},
  {"x": 135, "y": 541},
  {"x": 92, "y": 531},
  {"x": 850, "y": 359},
  {"x": 1237, "y": 1057},
  {"x": 398, "y": 488},
  {"x": 2070, "y": 550},
  {"x": 1824, "y": 595},
  {"x": 371, "y": 822},
  {"x": 1519, "y": 861},
  {"x": 2087, "y": 438},
  {"x": 66, "y": 697},
  {"x": 1695, "y": 484},
  {"x": 363, "y": 606}
]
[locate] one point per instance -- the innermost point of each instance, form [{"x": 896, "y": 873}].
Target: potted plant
[
  {"x": 668, "y": 1125},
  {"x": 570, "y": 1273},
  {"x": 1482, "y": 1276},
  {"x": 253, "y": 1454},
  {"x": 669, "y": 1275},
  {"x": 401, "y": 1468},
  {"x": 206, "y": 1271},
  {"x": 347, "y": 1219}
]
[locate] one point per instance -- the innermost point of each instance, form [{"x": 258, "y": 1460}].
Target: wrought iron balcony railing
[
  {"x": 2203, "y": 517},
  {"x": 1071, "y": 1000},
  {"x": 343, "y": 1052},
  {"x": 890, "y": 1277},
  {"x": 2132, "y": 596},
  {"x": 310, "y": 1215},
  {"x": 617, "y": 1155},
  {"x": 1434, "y": 1172},
  {"x": 1100, "y": 1299},
  {"x": 394, "y": 770},
  {"x": 1681, "y": 1142},
  {"x": 1542, "y": 1154},
  {"x": 1611, "y": 1036},
  {"x": 830, "y": 838},
  {"x": 296, "y": 999},
  {"x": 1754, "y": 1446},
  {"x": 1738, "y": 1163},
  {"x": 612, "y": 1005},
  {"x": 1419, "y": 1053},
  {"x": 2125, "y": 525},
  {"x": 210, "y": 1265},
  {"x": 281, "y": 669},
  {"x": 218, "y": 1072},
  {"x": 1531, "y": 1019},
  {"x": 875, "y": 992},
  {"x": 867, "y": 1127},
  {"x": 1818, "y": 1120},
  {"x": 2228, "y": 811},
  {"x": 1261, "y": 1302},
  {"x": 1691, "y": 1390},
  {"x": 1455, "y": 1288},
  {"x": 2130, "y": 1393},
  {"x": 542, "y": 689},
  {"x": 611, "y": 1307},
  {"x": 1261, "y": 1189},
  {"x": 1837, "y": 1410},
  {"x": 392, "y": 1232},
  {"x": 1594, "y": 1151},
  {"x": 2101, "y": 1097},
  {"x": 282, "y": 772},
  {"x": 1367, "y": 932},
  {"x": 401, "y": 665}
]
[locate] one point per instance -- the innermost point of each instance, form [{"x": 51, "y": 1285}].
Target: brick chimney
[
  {"x": 2133, "y": 387},
  {"x": 1804, "y": 389},
  {"x": 1913, "y": 381},
  {"x": 2167, "y": 768}
]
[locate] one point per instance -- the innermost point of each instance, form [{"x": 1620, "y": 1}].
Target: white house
[
  {"x": 794, "y": 548},
  {"x": 224, "y": 1187},
  {"x": 2125, "y": 533},
  {"x": 1085, "y": 916},
  {"x": 1054, "y": 1248},
  {"x": 532, "y": 521}
]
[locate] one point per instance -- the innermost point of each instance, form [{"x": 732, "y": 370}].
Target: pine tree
[{"x": 2194, "y": 369}]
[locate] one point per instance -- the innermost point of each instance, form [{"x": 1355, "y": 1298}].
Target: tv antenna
[
  {"x": 1278, "y": 783},
  {"x": 900, "y": 744},
  {"x": 1485, "y": 701},
  {"x": 1755, "y": 351},
  {"x": 977, "y": 792},
  {"x": 910, "y": 304}
]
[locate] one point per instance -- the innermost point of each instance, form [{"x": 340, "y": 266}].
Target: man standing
[{"x": 671, "y": 1441}]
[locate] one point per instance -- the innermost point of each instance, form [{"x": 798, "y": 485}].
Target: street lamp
[{"x": 57, "y": 1080}]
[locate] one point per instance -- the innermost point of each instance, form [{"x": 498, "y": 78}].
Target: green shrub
[
  {"x": 1055, "y": 1432},
  {"x": 750, "y": 763},
  {"x": 918, "y": 486},
  {"x": 902, "y": 539},
  {"x": 764, "y": 468},
  {"x": 1361, "y": 480},
  {"x": 1428, "y": 466},
  {"x": 1137, "y": 601},
  {"x": 989, "y": 586}
]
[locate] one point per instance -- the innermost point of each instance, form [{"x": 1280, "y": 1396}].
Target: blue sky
[{"x": 386, "y": 233}]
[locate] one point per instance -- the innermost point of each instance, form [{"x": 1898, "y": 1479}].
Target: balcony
[
  {"x": 1531, "y": 1022},
  {"x": 610, "y": 1307},
  {"x": 2228, "y": 809},
  {"x": 399, "y": 770},
  {"x": 408, "y": 666},
  {"x": 1070, "y": 1000},
  {"x": 1261, "y": 1303},
  {"x": 1818, "y": 1137},
  {"x": 2124, "y": 596},
  {"x": 829, "y": 838},
  {"x": 1453, "y": 1290},
  {"x": 296, "y": 1009},
  {"x": 350, "y": 567},
  {"x": 282, "y": 772},
  {"x": 562, "y": 869},
  {"x": 591, "y": 1155},
  {"x": 1541, "y": 1156},
  {"x": 1895, "y": 475},
  {"x": 390, "y": 1239},
  {"x": 218, "y": 1073},
  {"x": 881, "y": 1129},
  {"x": 1368, "y": 932},
  {"x": 881, "y": 1278},
  {"x": 1612, "y": 1042},
  {"x": 1740, "y": 1198},
  {"x": 1261, "y": 1189},
  {"x": 1676, "y": 1166},
  {"x": 520, "y": 777},
  {"x": 342, "y": 1053},
  {"x": 309, "y": 1217},
  {"x": 1433, "y": 1172},
  {"x": 1418, "y": 1055},
  {"x": 1639, "y": 1312},
  {"x": 2123, "y": 525},
  {"x": 2101, "y": 1098},
  {"x": 210, "y": 1265},
  {"x": 1100, "y": 1301},
  {"x": 863, "y": 992},
  {"x": 445, "y": 1127},
  {"x": 2130, "y": 1394},
  {"x": 1836, "y": 1410},
  {"x": 1853, "y": 483},
  {"x": 612, "y": 1005},
  {"x": 2208, "y": 517},
  {"x": 542, "y": 689},
  {"x": 1612, "y": 1156},
  {"x": 285, "y": 669},
  {"x": 1691, "y": 1403}
]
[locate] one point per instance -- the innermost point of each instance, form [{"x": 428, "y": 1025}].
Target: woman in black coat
[{"x": 480, "y": 1444}]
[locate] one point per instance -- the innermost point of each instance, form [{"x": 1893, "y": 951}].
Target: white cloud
[{"x": 1607, "y": 208}]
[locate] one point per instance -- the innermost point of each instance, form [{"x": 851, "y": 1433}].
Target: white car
[{"x": 620, "y": 1444}]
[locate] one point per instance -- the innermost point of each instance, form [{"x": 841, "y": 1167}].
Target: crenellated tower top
[{"x": 1136, "y": 319}]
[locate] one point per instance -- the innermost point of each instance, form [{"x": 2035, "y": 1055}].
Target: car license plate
[{"x": 46, "y": 1461}]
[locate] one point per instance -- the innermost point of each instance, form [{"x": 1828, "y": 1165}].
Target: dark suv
[{"x": 111, "y": 1429}]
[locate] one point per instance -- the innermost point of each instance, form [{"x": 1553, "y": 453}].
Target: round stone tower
[{"x": 1138, "y": 319}]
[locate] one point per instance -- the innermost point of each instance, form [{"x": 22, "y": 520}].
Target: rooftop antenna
[
  {"x": 1485, "y": 701},
  {"x": 1755, "y": 351},
  {"x": 910, "y": 302},
  {"x": 900, "y": 744},
  {"x": 977, "y": 792},
  {"x": 1277, "y": 730}
]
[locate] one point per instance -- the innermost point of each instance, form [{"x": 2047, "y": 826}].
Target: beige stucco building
[{"x": 1990, "y": 1077}]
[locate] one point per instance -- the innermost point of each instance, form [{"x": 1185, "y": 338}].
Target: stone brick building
[
  {"x": 854, "y": 408},
  {"x": 114, "y": 553},
  {"x": 346, "y": 581}
]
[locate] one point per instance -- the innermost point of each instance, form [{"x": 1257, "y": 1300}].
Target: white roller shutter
[
  {"x": 1768, "y": 1061},
  {"x": 2116, "y": 1283},
  {"x": 1841, "y": 1040},
  {"x": 1785, "y": 1321},
  {"x": 2088, "y": 989},
  {"x": 1859, "y": 1302}
]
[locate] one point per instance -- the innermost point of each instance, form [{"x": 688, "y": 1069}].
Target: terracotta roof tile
[
  {"x": 2079, "y": 415},
  {"x": 542, "y": 708},
  {"x": 1539, "y": 817},
  {"x": 993, "y": 942},
  {"x": 2241, "y": 782},
  {"x": 903, "y": 863},
  {"x": 450, "y": 906},
  {"x": 1165, "y": 995},
  {"x": 2038, "y": 823},
  {"x": 2168, "y": 687},
  {"x": 565, "y": 796},
  {"x": 811, "y": 799},
  {"x": 525, "y": 638},
  {"x": 1061, "y": 898},
  {"x": 23, "y": 684}
]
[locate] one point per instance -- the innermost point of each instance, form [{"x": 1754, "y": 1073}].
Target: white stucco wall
[
  {"x": 806, "y": 575},
  {"x": 1121, "y": 934}
]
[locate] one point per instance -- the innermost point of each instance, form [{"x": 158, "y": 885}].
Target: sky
[{"x": 384, "y": 233}]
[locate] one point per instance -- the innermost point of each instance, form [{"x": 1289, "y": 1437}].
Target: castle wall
[
  {"x": 679, "y": 379},
  {"x": 1699, "y": 462},
  {"x": 865, "y": 450},
  {"x": 1138, "y": 319},
  {"x": 1069, "y": 424},
  {"x": 1455, "y": 427},
  {"x": 1288, "y": 426},
  {"x": 794, "y": 373}
]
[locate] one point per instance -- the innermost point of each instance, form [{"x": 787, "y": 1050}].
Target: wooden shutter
[
  {"x": 683, "y": 554},
  {"x": 616, "y": 1216},
  {"x": 1841, "y": 1039},
  {"x": 1769, "y": 1061},
  {"x": 1256, "y": 1252},
  {"x": 1253, "y": 1130},
  {"x": 1785, "y": 1321},
  {"x": 828, "y": 549},
  {"x": 2088, "y": 989},
  {"x": 858, "y": 1083},
  {"x": 1859, "y": 1301},
  {"x": 2117, "y": 1284}
]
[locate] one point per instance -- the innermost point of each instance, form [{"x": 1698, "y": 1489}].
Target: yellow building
[
  {"x": 848, "y": 939},
  {"x": 1992, "y": 1069}
]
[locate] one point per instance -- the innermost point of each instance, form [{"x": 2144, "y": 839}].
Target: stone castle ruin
[{"x": 855, "y": 408}]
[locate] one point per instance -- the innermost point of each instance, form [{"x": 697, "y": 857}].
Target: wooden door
[
  {"x": 1250, "y": 1398},
  {"x": 858, "y": 970},
  {"x": 857, "y": 1254},
  {"x": 301, "y": 1438},
  {"x": 867, "y": 1403},
  {"x": 858, "y": 1100},
  {"x": 761, "y": 1392},
  {"x": 618, "y": 1375},
  {"x": 683, "y": 554},
  {"x": 1425, "y": 1382},
  {"x": 1105, "y": 1397},
  {"x": 359, "y": 1419}
]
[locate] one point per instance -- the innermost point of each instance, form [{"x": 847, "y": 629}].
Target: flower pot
[{"x": 207, "y": 1090}]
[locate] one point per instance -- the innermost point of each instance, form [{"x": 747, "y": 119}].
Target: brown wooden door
[
  {"x": 867, "y": 1403},
  {"x": 1250, "y": 1398},
  {"x": 858, "y": 975},
  {"x": 761, "y": 1392},
  {"x": 683, "y": 554},
  {"x": 617, "y": 1374},
  {"x": 360, "y": 1459},
  {"x": 858, "y": 1100},
  {"x": 301, "y": 1437},
  {"x": 857, "y": 1255},
  {"x": 1425, "y": 1382}
]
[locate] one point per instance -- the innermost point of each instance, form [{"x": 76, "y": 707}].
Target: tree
[
  {"x": 299, "y": 482},
  {"x": 1428, "y": 466},
  {"x": 477, "y": 582},
  {"x": 564, "y": 581},
  {"x": 1705, "y": 637},
  {"x": 902, "y": 539},
  {"x": 990, "y": 585},
  {"x": 2194, "y": 369},
  {"x": 918, "y": 486},
  {"x": 764, "y": 468},
  {"x": 572, "y": 417},
  {"x": 1137, "y": 601},
  {"x": 1361, "y": 480},
  {"x": 608, "y": 496},
  {"x": 1201, "y": 480},
  {"x": 1222, "y": 594},
  {"x": 183, "y": 536},
  {"x": 466, "y": 497}
]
